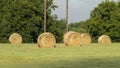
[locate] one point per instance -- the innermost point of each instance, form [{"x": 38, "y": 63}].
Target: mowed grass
[{"x": 85, "y": 56}]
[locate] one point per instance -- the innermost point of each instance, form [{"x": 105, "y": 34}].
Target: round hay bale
[
  {"x": 86, "y": 39},
  {"x": 104, "y": 39},
  {"x": 72, "y": 38},
  {"x": 15, "y": 38},
  {"x": 46, "y": 40}
]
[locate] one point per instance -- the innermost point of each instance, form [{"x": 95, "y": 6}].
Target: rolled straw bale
[
  {"x": 15, "y": 38},
  {"x": 72, "y": 38},
  {"x": 86, "y": 39},
  {"x": 46, "y": 40},
  {"x": 104, "y": 39}
]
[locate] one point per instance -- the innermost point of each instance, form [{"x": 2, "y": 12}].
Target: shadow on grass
[{"x": 83, "y": 63}]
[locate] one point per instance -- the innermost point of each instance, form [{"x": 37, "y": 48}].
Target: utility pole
[
  {"x": 66, "y": 15},
  {"x": 45, "y": 4}
]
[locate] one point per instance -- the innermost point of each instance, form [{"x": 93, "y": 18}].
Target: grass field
[{"x": 85, "y": 56}]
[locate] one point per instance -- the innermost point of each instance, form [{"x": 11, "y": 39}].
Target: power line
[
  {"x": 66, "y": 15},
  {"x": 45, "y": 4},
  {"x": 91, "y": 2}
]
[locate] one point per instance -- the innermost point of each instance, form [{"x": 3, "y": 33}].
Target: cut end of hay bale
[
  {"x": 104, "y": 39},
  {"x": 15, "y": 38},
  {"x": 46, "y": 40},
  {"x": 86, "y": 39},
  {"x": 72, "y": 38}
]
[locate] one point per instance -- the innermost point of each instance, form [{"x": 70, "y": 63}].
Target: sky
[{"x": 79, "y": 10}]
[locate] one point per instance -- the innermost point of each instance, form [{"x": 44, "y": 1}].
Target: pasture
[{"x": 85, "y": 56}]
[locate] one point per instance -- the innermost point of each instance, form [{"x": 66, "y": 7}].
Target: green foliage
[
  {"x": 57, "y": 28},
  {"x": 80, "y": 27},
  {"x": 105, "y": 19},
  {"x": 26, "y": 18}
]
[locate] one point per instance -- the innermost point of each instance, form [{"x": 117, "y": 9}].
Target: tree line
[
  {"x": 104, "y": 19},
  {"x": 26, "y": 18}
]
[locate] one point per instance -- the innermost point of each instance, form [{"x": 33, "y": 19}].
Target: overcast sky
[{"x": 79, "y": 10}]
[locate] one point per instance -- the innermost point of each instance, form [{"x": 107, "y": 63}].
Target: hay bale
[
  {"x": 46, "y": 40},
  {"x": 86, "y": 39},
  {"x": 72, "y": 38},
  {"x": 104, "y": 39},
  {"x": 15, "y": 38}
]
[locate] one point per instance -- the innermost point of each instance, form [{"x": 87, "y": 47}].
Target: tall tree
[
  {"x": 25, "y": 17},
  {"x": 105, "y": 19}
]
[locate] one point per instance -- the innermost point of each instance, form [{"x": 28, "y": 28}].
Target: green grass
[{"x": 85, "y": 56}]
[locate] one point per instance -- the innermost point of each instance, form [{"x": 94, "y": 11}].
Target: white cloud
[{"x": 78, "y": 9}]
